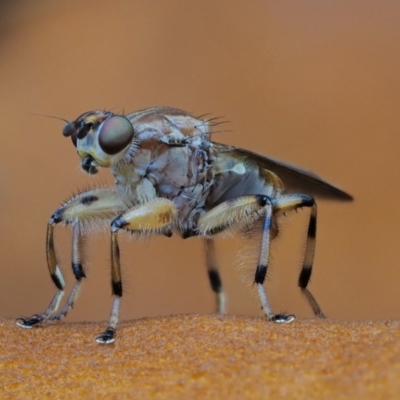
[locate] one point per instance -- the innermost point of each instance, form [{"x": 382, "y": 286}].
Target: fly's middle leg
[
  {"x": 108, "y": 336},
  {"x": 213, "y": 274}
]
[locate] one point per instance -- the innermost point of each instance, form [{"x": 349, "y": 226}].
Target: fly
[{"x": 170, "y": 178}]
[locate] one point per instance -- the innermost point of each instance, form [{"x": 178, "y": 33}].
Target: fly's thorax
[
  {"x": 132, "y": 180},
  {"x": 168, "y": 125}
]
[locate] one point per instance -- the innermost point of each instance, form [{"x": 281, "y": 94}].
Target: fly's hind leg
[
  {"x": 262, "y": 267},
  {"x": 154, "y": 217},
  {"x": 306, "y": 270},
  {"x": 213, "y": 274},
  {"x": 291, "y": 202},
  {"x": 241, "y": 212},
  {"x": 93, "y": 207},
  {"x": 245, "y": 210}
]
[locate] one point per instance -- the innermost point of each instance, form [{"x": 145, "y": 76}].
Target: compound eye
[
  {"x": 69, "y": 129},
  {"x": 115, "y": 134}
]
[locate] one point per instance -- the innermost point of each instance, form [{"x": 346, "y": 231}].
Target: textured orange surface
[
  {"x": 202, "y": 357},
  {"x": 315, "y": 83}
]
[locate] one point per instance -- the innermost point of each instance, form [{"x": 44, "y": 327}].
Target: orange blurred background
[{"x": 313, "y": 83}]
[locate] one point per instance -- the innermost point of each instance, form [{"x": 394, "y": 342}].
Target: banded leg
[
  {"x": 244, "y": 210},
  {"x": 77, "y": 269},
  {"x": 57, "y": 278},
  {"x": 154, "y": 217},
  {"x": 305, "y": 273},
  {"x": 213, "y": 274},
  {"x": 92, "y": 208},
  {"x": 236, "y": 213},
  {"x": 262, "y": 267},
  {"x": 108, "y": 336},
  {"x": 292, "y": 202},
  {"x": 239, "y": 213}
]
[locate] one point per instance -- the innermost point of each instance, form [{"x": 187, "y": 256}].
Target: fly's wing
[{"x": 295, "y": 179}]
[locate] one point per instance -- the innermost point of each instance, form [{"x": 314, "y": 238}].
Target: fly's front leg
[
  {"x": 213, "y": 274},
  {"x": 57, "y": 278},
  {"x": 77, "y": 269},
  {"x": 154, "y": 217},
  {"x": 91, "y": 208}
]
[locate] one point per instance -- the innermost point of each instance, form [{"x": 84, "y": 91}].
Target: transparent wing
[{"x": 295, "y": 179}]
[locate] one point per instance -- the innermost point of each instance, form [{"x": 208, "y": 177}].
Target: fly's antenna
[
  {"x": 50, "y": 116},
  {"x": 69, "y": 129}
]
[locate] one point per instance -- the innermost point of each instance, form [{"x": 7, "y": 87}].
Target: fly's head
[{"x": 101, "y": 138}]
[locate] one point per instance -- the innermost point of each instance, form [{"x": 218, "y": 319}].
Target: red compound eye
[{"x": 115, "y": 134}]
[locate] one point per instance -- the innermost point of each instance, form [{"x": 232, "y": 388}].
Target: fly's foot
[
  {"x": 29, "y": 322},
  {"x": 283, "y": 318},
  {"x": 107, "y": 337}
]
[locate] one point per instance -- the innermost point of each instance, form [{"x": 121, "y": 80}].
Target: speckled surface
[{"x": 201, "y": 357}]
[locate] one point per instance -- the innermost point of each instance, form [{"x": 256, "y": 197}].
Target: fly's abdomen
[{"x": 237, "y": 176}]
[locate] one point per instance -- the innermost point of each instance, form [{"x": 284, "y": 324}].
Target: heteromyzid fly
[{"x": 170, "y": 178}]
